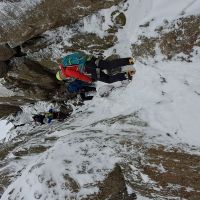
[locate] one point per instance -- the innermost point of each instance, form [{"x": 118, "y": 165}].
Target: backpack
[{"x": 76, "y": 58}]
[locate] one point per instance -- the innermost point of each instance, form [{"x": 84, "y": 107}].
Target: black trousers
[
  {"x": 112, "y": 64},
  {"x": 111, "y": 78},
  {"x": 91, "y": 68},
  {"x": 85, "y": 98},
  {"x": 87, "y": 89}
]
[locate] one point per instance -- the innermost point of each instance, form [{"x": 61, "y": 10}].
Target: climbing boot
[
  {"x": 131, "y": 61},
  {"x": 130, "y": 73}
]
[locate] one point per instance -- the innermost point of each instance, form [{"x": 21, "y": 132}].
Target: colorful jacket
[
  {"x": 76, "y": 58},
  {"x": 73, "y": 65},
  {"x": 73, "y": 71}
]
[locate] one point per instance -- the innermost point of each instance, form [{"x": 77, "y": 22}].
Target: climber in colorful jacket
[
  {"x": 81, "y": 88},
  {"x": 90, "y": 69}
]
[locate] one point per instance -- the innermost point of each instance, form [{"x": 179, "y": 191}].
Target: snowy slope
[
  {"x": 160, "y": 106},
  {"x": 169, "y": 107}
]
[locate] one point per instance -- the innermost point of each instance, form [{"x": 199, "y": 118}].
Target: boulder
[
  {"x": 6, "y": 52},
  {"x": 35, "y": 81},
  {"x": 113, "y": 187}
]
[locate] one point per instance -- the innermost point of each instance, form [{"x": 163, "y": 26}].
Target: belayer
[
  {"x": 49, "y": 116},
  {"x": 90, "y": 69}
]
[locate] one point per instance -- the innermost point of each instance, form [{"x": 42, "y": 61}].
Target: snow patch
[{"x": 4, "y": 127}]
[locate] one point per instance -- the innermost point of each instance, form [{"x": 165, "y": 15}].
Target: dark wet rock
[
  {"x": 6, "y": 52},
  {"x": 35, "y": 81},
  {"x": 7, "y": 109},
  {"x": 45, "y": 15},
  {"x": 3, "y": 69}
]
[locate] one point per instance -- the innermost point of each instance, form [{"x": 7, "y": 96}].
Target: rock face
[
  {"x": 6, "y": 52},
  {"x": 8, "y": 109},
  {"x": 32, "y": 78},
  {"x": 113, "y": 187},
  {"x": 3, "y": 69},
  {"x": 41, "y": 16}
]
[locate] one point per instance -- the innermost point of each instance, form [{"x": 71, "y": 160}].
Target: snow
[
  {"x": 145, "y": 177},
  {"x": 43, "y": 170},
  {"x": 161, "y": 105},
  {"x": 4, "y": 127},
  {"x": 96, "y": 22},
  {"x": 4, "y": 92},
  {"x": 137, "y": 11}
]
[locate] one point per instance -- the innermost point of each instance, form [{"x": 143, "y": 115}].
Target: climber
[
  {"x": 81, "y": 88},
  {"x": 90, "y": 69},
  {"x": 47, "y": 117}
]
